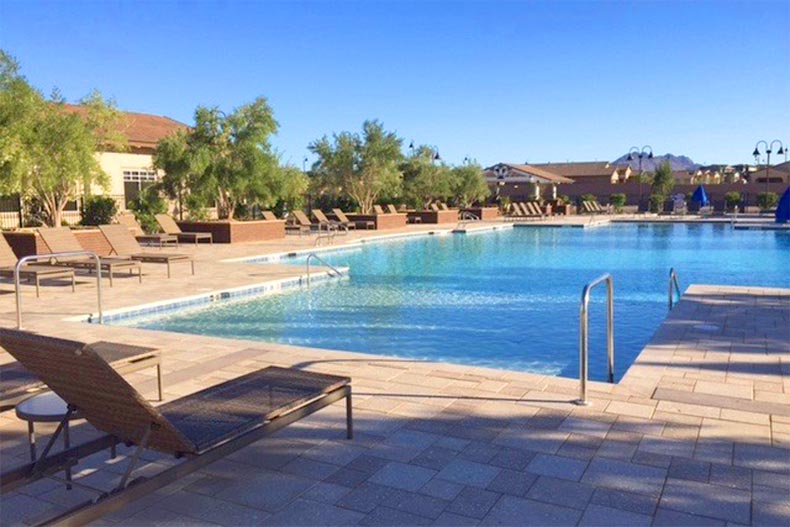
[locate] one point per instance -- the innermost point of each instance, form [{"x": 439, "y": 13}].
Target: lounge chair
[
  {"x": 298, "y": 223},
  {"x": 269, "y": 216},
  {"x": 443, "y": 206},
  {"x": 202, "y": 427},
  {"x": 342, "y": 218},
  {"x": 169, "y": 226},
  {"x": 533, "y": 208},
  {"x": 304, "y": 221},
  {"x": 124, "y": 244},
  {"x": 391, "y": 209},
  {"x": 378, "y": 210},
  {"x": 159, "y": 238},
  {"x": 17, "y": 383},
  {"x": 434, "y": 207},
  {"x": 331, "y": 224},
  {"x": 31, "y": 273},
  {"x": 61, "y": 240}
]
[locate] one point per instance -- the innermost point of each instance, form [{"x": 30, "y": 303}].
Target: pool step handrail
[
  {"x": 674, "y": 287},
  {"x": 70, "y": 254},
  {"x": 584, "y": 327},
  {"x": 312, "y": 256},
  {"x": 466, "y": 218}
]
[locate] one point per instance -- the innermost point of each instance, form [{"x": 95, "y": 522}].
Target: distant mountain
[{"x": 649, "y": 165}]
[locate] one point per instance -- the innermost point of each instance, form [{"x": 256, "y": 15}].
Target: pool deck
[{"x": 697, "y": 432}]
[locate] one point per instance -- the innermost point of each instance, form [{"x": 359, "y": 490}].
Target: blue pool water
[{"x": 505, "y": 299}]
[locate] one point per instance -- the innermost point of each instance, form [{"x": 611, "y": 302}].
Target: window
[{"x": 135, "y": 181}]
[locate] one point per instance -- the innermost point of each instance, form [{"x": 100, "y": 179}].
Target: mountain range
[{"x": 649, "y": 165}]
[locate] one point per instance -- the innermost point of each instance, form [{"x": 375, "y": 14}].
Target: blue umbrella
[
  {"x": 700, "y": 196},
  {"x": 783, "y": 209}
]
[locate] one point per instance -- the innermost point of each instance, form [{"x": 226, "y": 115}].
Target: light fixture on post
[
  {"x": 436, "y": 156},
  {"x": 646, "y": 150},
  {"x": 768, "y": 151}
]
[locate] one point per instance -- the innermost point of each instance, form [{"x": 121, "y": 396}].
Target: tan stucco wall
[{"x": 114, "y": 163}]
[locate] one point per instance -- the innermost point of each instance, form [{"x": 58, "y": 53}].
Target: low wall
[
  {"x": 237, "y": 231},
  {"x": 381, "y": 221},
  {"x": 25, "y": 243},
  {"x": 430, "y": 216},
  {"x": 484, "y": 213}
]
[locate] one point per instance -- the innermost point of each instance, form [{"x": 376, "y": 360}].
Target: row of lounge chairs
[
  {"x": 171, "y": 232},
  {"x": 524, "y": 211},
  {"x": 593, "y": 207}
]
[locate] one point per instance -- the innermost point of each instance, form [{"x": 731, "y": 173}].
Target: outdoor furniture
[
  {"x": 342, "y": 218},
  {"x": 31, "y": 273},
  {"x": 18, "y": 383},
  {"x": 124, "y": 244},
  {"x": 434, "y": 207},
  {"x": 202, "y": 427},
  {"x": 269, "y": 215},
  {"x": 391, "y": 209},
  {"x": 61, "y": 240},
  {"x": 169, "y": 226},
  {"x": 323, "y": 220},
  {"x": 378, "y": 210},
  {"x": 304, "y": 221},
  {"x": 160, "y": 238}
]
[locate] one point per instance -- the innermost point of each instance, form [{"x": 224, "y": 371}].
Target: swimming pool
[{"x": 504, "y": 299}]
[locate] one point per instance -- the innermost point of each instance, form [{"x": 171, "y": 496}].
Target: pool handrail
[
  {"x": 70, "y": 254},
  {"x": 314, "y": 255},
  {"x": 584, "y": 327},
  {"x": 674, "y": 287}
]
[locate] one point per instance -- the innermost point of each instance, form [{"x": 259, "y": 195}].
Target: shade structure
[
  {"x": 783, "y": 209},
  {"x": 700, "y": 196}
]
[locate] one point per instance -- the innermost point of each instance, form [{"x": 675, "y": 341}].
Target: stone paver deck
[{"x": 696, "y": 433}]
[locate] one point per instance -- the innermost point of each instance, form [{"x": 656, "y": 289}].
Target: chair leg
[
  {"x": 140, "y": 274},
  {"x": 192, "y": 262},
  {"x": 38, "y": 282},
  {"x": 159, "y": 380},
  {"x": 109, "y": 272},
  {"x": 168, "y": 269},
  {"x": 73, "y": 288},
  {"x": 349, "y": 417}
]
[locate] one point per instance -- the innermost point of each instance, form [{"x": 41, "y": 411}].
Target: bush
[
  {"x": 732, "y": 199},
  {"x": 617, "y": 201},
  {"x": 588, "y": 197},
  {"x": 767, "y": 200},
  {"x": 146, "y": 206},
  {"x": 98, "y": 210},
  {"x": 657, "y": 203}
]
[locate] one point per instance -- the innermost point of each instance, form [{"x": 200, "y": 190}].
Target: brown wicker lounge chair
[
  {"x": 203, "y": 427},
  {"x": 329, "y": 224},
  {"x": 124, "y": 244},
  {"x": 269, "y": 216},
  {"x": 17, "y": 383},
  {"x": 169, "y": 226},
  {"x": 159, "y": 239},
  {"x": 31, "y": 273},
  {"x": 378, "y": 210},
  {"x": 342, "y": 218},
  {"x": 434, "y": 207},
  {"x": 391, "y": 209},
  {"x": 61, "y": 239}
]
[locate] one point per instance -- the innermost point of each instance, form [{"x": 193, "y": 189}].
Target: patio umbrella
[
  {"x": 783, "y": 209},
  {"x": 700, "y": 196}
]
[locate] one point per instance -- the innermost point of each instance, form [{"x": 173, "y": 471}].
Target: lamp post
[
  {"x": 646, "y": 150},
  {"x": 768, "y": 150}
]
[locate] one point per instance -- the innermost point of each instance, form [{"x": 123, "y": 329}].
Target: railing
[
  {"x": 584, "y": 326},
  {"x": 34, "y": 257},
  {"x": 314, "y": 255},
  {"x": 674, "y": 287},
  {"x": 466, "y": 218}
]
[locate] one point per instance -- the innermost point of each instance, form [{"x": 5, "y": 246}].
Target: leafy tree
[
  {"x": 147, "y": 205},
  {"x": 469, "y": 185},
  {"x": 618, "y": 201},
  {"x": 732, "y": 199},
  {"x": 424, "y": 181},
  {"x": 661, "y": 188},
  {"x": 98, "y": 210},
  {"x": 173, "y": 156},
  {"x": 767, "y": 200},
  {"x": 363, "y": 167}
]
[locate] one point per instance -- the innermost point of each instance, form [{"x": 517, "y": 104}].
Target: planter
[
  {"x": 25, "y": 243},
  {"x": 224, "y": 231},
  {"x": 484, "y": 213},
  {"x": 442, "y": 216},
  {"x": 381, "y": 221}
]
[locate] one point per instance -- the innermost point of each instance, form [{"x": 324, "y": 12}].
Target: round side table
[{"x": 46, "y": 407}]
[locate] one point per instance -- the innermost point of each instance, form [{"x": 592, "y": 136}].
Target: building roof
[
  {"x": 528, "y": 171},
  {"x": 142, "y": 130},
  {"x": 580, "y": 169}
]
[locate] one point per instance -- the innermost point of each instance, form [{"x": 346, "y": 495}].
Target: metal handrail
[
  {"x": 673, "y": 282},
  {"x": 466, "y": 218},
  {"x": 70, "y": 254},
  {"x": 584, "y": 327},
  {"x": 314, "y": 255}
]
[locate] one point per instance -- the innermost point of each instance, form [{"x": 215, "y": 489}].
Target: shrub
[
  {"x": 146, "y": 206},
  {"x": 588, "y": 197},
  {"x": 767, "y": 200},
  {"x": 564, "y": 199},
  {"x": 98, "y": 210},
  {"x": 618, "y": 201},
  {"x": 732, "y": 199},
  {"x": 657, "y": 203}
]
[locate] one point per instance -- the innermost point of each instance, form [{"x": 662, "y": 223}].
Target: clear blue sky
[{"x": 497, "y": 81}]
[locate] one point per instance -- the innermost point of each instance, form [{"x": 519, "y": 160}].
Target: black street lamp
[
  {"x": 646, "y": 150},
  {"x": 768, "y": 150}
]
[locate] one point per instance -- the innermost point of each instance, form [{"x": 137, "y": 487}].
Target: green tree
[
  {"x": 173, "y": 157},
  {"x": 364, "y": 167},
  {"x": 425, "y": 181},
  {"x": 618, "y": 201},
  {"x": 661, "y": 187},
  {"x": 469, "y": 185}
]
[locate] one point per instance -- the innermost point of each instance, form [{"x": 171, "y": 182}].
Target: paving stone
[
  {"x": 210, "y": 509},
  {"x": 561, "y": 492},
  {"x": 761, "y": 457},
  {"x": 434, "y": 457},
  {"x": 772, "y": 479},
  {"x": 731, "y": 476},
  {"x": 439, "y": 488},
  {"x": 469, "y": 473},
  {"x": 269, "y": 491},
  {"x": 309, "y": 468},
  {"x": 624, "y": 450},
  {"x": 479, "y": 452},
  {"x": 368, "y": 496},
  {"x": 652, "y": 459},
  {"x": 599, "y": 515},
  {"x": 616, "y": 474},
  {"x": 670, "y": 518},
  {"x": 627, "y": 501},
  {"x": 514, "y": 482},
  {"x": 18, "y": 509},
  {"x": 512, "y": 459},
  {"x": 366, "y": 463},
  {"x": 707, "y": 500},
  {"x": 304, "y": 512},
  {"x": 419, "y": 504},
  {"x": 777, "y": 513},
  {"x": 402, "y": 476},
  {"x": 557, "y": 466},
  {"x": 448, "y": 519},
  {"x": 510, "y": 510},
  {"x": 453, "y": 443},
  {"x": 576, "y": 425},
  {"x": 325, "y": 492},
  {"x": 386, "y": 516},
  {"x": 689, "y": 469},
  {"x": 473, "y": 502},
  {"x": 770, "y": 494}
]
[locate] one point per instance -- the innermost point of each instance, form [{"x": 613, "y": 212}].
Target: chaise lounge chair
[
  {"x": 17, "y": 383},
  {"x": 61, "y": 240},
  {"x": 333, "y": 224},
  {"x": 159, "y": 238},
  {"x": 31, "y": 273},
  {"x": 169, "y": 226},
  {"x": 378, "y": 210},
  {"x": 202, "y": 427},
  {"x": 342, "y": 218},
  {"x": 124, "y": 244}
]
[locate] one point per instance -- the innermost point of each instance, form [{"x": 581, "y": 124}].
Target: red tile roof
[{"x": 141, "y": 129}]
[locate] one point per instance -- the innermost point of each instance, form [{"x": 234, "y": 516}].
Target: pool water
[{"x": 504, "y": 299}]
